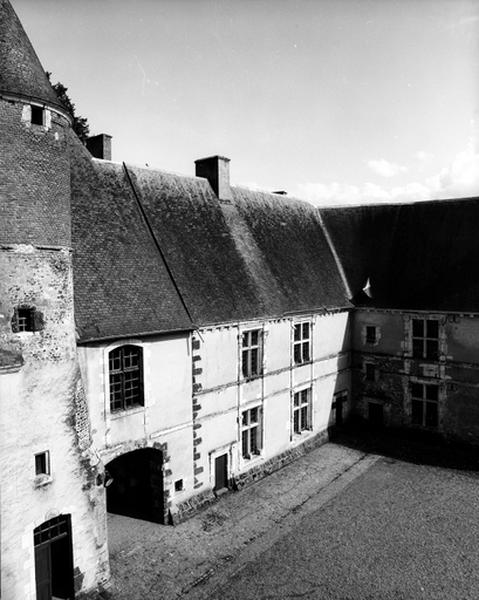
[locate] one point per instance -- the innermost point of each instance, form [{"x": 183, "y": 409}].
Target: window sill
[
  {"x": 253, "y": 459},
  {"x": 42, "y": 480},
  {"x": 126, "y": 412},
  {"x": 251, "y": 378},
  {"x": 300, "y": 437},
  {"x": 301, "y": 364}
]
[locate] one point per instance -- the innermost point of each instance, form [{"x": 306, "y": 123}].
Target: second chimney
[
  {"x": 100, "y": 146},
  {"x": 216, "y": 169}
]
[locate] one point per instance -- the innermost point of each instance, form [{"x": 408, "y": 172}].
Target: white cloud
[
  {"x": 423, "y": 156},
  {"x": 459, "y": 179},
  {"x": 385, "y": 168}
]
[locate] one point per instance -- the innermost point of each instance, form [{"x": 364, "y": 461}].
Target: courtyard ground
[{"x": 339, "y": 523}]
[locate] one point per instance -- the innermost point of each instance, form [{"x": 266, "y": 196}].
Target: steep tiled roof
[
  {"x": 147, "y": 244},
  {"x": 121, "y": 283},
  {"x": 21, "y": 73},
  {"x": 418, "y": 256}
]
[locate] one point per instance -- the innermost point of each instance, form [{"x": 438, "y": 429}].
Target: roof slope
[
  {"x": 260, "y": 256},
  {"x": 122, "y": 286},
  {"x": 418, "y": 256},
  {"x": 21, "y": 73}
]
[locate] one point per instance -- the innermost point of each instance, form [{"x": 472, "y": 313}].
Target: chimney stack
[
  {"x": 100, "y": 146},
  {"x": 216, "y": 170}
]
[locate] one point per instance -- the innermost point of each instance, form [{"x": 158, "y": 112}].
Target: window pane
[
  {"x": 244, "y": 418},
  {"x": 253, "y": 440},
  {"x": 432, "y": 328},
  {"x": 432, "y": 349},
  {"x": 417, "y": 390},
  {"x": 418, "y": 348},
  {"x": 244, "y": 363},
  {"x": 304, "y": 396},
  {"x": 417, "y": 412},
  {"x": 244, "y": 341},
  {"x": 254, "y": 362},
  {"x": 297, "y": 354},
  {"x": 431, "y": 414},
  {"x": 254, "y": 338},
  {"x": 418, "y": 328},
  {"x": 296, "y": 421},
  {"x": 306, "y": 356},
  {"x": 296, "y": 399},
  {"x": 305, "y": 330},
  {"x": 297, "y": 333},
  {"x": 432, "y": 392},
  {"x": 253, "y": 415},
  {"x": 244, "y": 443},
  {"x": 304, "y": 418}
]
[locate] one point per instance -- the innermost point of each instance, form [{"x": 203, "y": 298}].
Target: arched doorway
[
  {"x": 54, "y": 559},
  {"x": 136, "y": 488}
]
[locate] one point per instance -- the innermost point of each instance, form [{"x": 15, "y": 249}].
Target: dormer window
[
  {"x": 38, "y": 113},
  {"x": 26, "y": 318}
]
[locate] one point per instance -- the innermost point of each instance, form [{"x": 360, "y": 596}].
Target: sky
[{"x": 334, "y": 101}]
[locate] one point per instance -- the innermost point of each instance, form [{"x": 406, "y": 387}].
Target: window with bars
[
  {"x": 252, "y": 353},
  {"x": 126, "y": 377},
  {"x": 424, "y": 404},
  {"x": 425, "y": 338},
  {"x": 302, "y": 343},
  {"x": 26, "y": 318},
  {"x": 302, "y": 411},
  {"x": 251, "y": 432}
]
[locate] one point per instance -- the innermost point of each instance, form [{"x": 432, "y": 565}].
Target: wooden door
[
  {"x": 221, "y": 472},
  {"x": 43, "y": 572}
]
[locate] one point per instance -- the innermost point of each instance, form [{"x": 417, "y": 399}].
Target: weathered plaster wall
[
  {"x": 456, "y": 372},
  {"x": 39, "y": 413}
]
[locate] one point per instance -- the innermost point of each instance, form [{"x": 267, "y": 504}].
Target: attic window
[
  {"x": 37, "y": 115},
  {"x": 26, "y": 318}
]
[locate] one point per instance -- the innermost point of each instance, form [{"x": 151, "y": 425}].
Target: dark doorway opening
[
  {"x": 137, "y": 487},
  {"x": 338, "y": 407},
  {"x": 54, "y": 559},
  {"x": 375, "y": 414},
  {"x": 221, "y": 473}
]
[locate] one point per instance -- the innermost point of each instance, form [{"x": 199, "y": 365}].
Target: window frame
[
  {"x": 426, "y": 402},
  {"x": 425, "y": 340},
  {"x": 249, "y": 449},
  {"x": 303, "y": 411},
  {"x": 250, "y": 368},
  {"x": 39, "y": 111},
  {"x": 125, "y": 403},
  {"x": 302, "y": 342}
]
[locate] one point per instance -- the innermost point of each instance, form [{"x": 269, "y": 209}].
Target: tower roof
[{"x": 21, "y": 73}]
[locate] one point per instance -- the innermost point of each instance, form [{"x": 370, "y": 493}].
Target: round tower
[{"x": 49, "y": 487}]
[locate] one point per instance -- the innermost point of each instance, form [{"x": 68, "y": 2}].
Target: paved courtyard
[{"x": 337, "y": 524}]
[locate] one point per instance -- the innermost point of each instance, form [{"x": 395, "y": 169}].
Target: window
[
  {"x": 251, "y": 432},
  {"x": 179, "y": 485},
  {"x": 425, "y": 339},
  {"x": 37, "y": 115},
  {"x": 126, "y": 377},
  {"x": 370, "y": 371},
  {"x": 301, "y": 344},
  {"x": 371, "y": 334},
  {"x": 424, "y": 404},
  {"x": 252, "y": 353},
  {"x": 302, "y": 411},
  {"x": 26, "y": 318},
  {"x": 42, "y": 463}
]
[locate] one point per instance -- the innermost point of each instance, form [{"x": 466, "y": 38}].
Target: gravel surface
[{"x": 400, "y": 531}]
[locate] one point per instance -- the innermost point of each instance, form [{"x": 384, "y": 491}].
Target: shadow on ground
[{"x": 411, "y": 446}]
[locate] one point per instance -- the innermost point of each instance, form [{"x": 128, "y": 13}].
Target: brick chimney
[
  {"x": 216, "y": 169},
  {"x": 100, "y": 146}
]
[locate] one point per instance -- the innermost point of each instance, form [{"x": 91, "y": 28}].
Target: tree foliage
[{"x": 80, "y": 124}]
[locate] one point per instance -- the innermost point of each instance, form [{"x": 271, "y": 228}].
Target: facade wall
[
  {"x": 222, "y": 393},
  {"x": 455, "y": 371},
  {"x": 165, "y": 420}
]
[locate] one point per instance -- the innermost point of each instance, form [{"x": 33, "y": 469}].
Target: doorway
[
  {"x": 221, "y": 473},
  {"x": 375, "y": 414},
  {"x": 339, "y": 400},
  {"x": 136, "y": 488},
  {"x": 54, "y": 559}
]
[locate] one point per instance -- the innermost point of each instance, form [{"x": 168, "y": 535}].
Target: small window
[
  {"x": 179, "y": 485},
  {"x": 252, "y": 353},
  {"x": 424, "y": 404},
  {"x": 302, "y": 411},
  {"x": 302, "y": 343},
  {"x": 370, "y": 371},
  {"x": 425, "y": 339},
  {"x": 37, "y": 115},
  {"x": 26, "y": 318},
  {"x": 371, "y": 335},
  {"x": 42, "y": 463},
  {"x": 251, "y": 432}
]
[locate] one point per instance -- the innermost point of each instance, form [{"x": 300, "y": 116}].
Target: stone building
[{"x": 165, "y": 338}]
